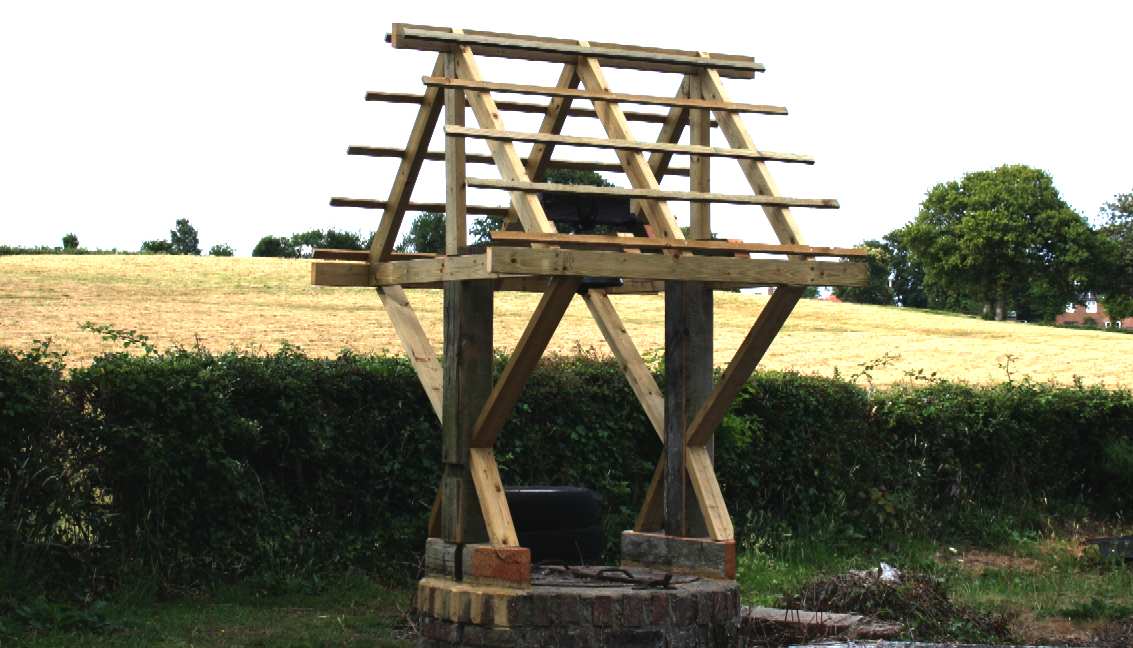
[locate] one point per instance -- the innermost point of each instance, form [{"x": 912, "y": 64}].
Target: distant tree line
[{"x": 998, "y": 241}]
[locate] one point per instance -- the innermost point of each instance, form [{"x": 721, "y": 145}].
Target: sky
[{"x": 117, "y": 118}]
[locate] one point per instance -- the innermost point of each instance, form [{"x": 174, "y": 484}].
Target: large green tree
[
  {"x": 183, "y": 238},
  {"x": 1116, "y": 271},
  {"x": 1003, "y": 239}
]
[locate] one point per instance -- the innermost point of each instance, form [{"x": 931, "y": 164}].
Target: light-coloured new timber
[
  {"x": 541, "y": 48},
  {"x": 493, "y": 500},
  {"x": 753, "y": 272},
  {"x": 640, "y": 175},
  {"x": 629, "y": 358},
  {"x": 645, "y": 100},
  {"x": 750, "y": 352},
  {"x": 415, "y": 342},
  {"x": 698, "y": 464},
  {"x": 456, "y": 204},
  {"x": 653, "y": 194},
  {"x": 527, "y": 207},
  {"x": 437, "y": 208},
  {"x": 522, "y": 362},
  {"x": 523, "y": 107},
  {"x": 406, "y": 178},
  {"x": 626, "y": 145},
  {"x": 473, "y": 158},
  {"x": 650, "y": 243}
]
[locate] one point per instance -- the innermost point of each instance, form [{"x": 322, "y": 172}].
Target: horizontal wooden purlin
[
  {"x": 341, "y": 274},
  {"x": 471, "y": 158},
  {"x": 559, "y": 50},
  {"x": 591, "y": 95},
  {"x": 439, "y": 208},
  {"x": 625, "y": 145},
  {"x": 587, "y": 263},
  {"x": 332, "y": 254},
  {"x": 524, "y": 107},
  {"x": 653, "y": 194},
  {"x": 647, "y": 243}
]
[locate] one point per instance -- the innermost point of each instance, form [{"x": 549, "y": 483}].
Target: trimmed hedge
[{"x": 186, "y": 468}]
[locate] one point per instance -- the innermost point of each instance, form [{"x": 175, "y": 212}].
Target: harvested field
[{"x": 256, "y": 304}]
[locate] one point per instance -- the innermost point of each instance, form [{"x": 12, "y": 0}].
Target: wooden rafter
[
  {"x": 653, "y": 195},
  {"x": 472, "y": 158},
  {"x": 562, "y": 91},
  {"x": 406, "y": 177},
  {"x": 627, "y": 145},
  {"x": 640, "y": 174}
]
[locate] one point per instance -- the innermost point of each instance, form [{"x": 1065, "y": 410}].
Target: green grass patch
[{"x": 351, "y": 611}]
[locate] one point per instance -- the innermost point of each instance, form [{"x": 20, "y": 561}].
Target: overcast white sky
[{"x": 116, "y": 118}]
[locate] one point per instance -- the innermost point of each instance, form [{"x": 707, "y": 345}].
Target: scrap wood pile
[{"x": 918, "y": 601}]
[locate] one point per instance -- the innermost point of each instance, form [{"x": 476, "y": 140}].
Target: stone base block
[
  {"x": 482, "y": 563},
  {"x": 693, "y": 556},
  {"x": 692, "y": 613}
]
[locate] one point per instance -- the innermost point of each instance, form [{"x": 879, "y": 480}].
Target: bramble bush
[{"x": 184, "y": 469}]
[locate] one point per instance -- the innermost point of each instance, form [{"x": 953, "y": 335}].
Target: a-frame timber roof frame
[{"x": 538, "y": 258}]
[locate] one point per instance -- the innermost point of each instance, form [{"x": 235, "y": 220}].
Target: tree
[
  {"x": 1114, "y": 276},
  {"x": 274, "y": 246},
  {"x": 183, "y": 239},
  {"x": 220, "y": 250},
  {"x": 306, "y": 242},
  {"x": 878, "y": 290},
  {"x": 1002, "y": 238},
  {"x": 70, "y": 242},
  {"x": 157, "y": 246},
  {"x": 482, "y": 228},
  {"x": 426, "y": 234}
]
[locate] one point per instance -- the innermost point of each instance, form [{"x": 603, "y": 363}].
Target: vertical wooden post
[
  {"x": 467, "y": 351},
  {"x": 688, "y": 348},
  {"x": 456, "y": 205},
  {"x": 467, "y": 383},
  {"x": 688, "y": 382}
]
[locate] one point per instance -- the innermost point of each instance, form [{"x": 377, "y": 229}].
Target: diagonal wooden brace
[
  {"x": 526, "y": 205},
  {"x": 527, "y": 352},
  {"x": 640, "y": 174},
  {"x": 415, "y": 342},
  {"x": 407, "y": 172},
  {"x": 751, "y": 351}
]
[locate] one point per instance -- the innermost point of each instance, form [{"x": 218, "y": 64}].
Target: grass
[
  {"x": 1053, "y": 587},
  {"x": 256, "y": 304},
  {"x": 348, "y": 612}
]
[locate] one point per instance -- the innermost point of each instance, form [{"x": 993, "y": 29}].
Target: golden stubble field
[{"x": 255, "y": 304}]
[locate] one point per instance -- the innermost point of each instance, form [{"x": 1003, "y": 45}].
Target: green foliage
[
  {"x": 221, "y": 250},
  {"x": 274, "y": 246},
  {"x": 878, "y": 290},
  {"x": 183, "y": 468},
  {"x": 70, "y": 242},
  {"x": 426, "y": 234},
  {"x": 1116, "y": 282},
  {"x": 157, "y": 246},
  {"x": 183, "y": 239},
  {"x": 305, "y": 243},
  {"x": 1003, "y": 238}
]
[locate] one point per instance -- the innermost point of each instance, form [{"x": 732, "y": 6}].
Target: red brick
[{"x": 509, "y": 564}]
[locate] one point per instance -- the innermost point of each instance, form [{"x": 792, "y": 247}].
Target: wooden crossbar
[
  {"x": 522, "y": 107},
  {"x": 650, "y": 243},
  {"x": 653, "y": 194},
  {"x": 588, "y": 263},
  {"x": 472, "y": 158},
  {"x": 644, "y": 100},
  {"x": 439, "y": 208},
  {"x": 333, "y": 254},
  {"x": 539, "y": 48},
  {"x": 626, "y": 145}
]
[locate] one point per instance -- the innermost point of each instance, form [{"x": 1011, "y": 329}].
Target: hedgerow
[{"x": 185, "y": 468}]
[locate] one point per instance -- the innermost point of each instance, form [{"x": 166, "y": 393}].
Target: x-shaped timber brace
[{"x": 470, "y": 505}]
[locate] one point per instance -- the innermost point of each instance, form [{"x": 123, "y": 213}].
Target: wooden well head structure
[{"x": 529, "y": 254}]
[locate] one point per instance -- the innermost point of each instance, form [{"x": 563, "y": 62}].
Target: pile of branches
[{"x": 918, "y": 601}]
